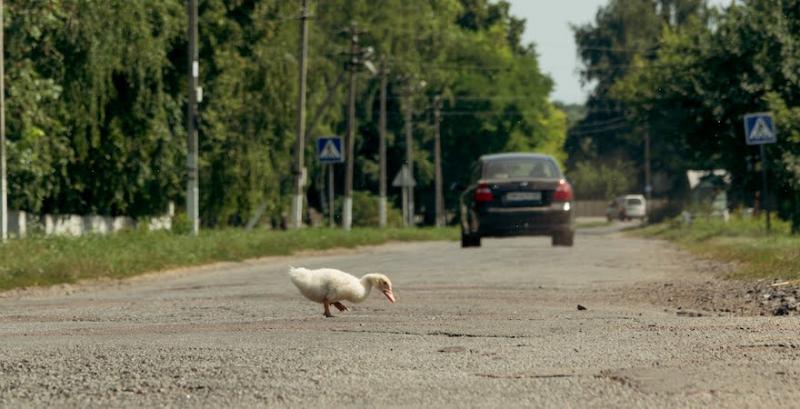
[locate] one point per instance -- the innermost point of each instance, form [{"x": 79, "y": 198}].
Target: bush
[
  {"x": 602, "y": 181},
  {"x": 181, "y": 223},
  {"x": 365, "y": 211},
  {"x": 663, "y": 213}
]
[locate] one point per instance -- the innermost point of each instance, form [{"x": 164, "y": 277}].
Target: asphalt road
[{"x": 495, "y": 326}]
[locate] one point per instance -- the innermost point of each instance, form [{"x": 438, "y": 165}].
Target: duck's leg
[
  {"x": 340, "y": 306},
  {"x": 327, "y": 308}
]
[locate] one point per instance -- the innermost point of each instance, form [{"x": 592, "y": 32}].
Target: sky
[{"x": 548, "y": 26}]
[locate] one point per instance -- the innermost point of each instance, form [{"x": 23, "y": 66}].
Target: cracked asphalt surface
[{"x": 486, "y": 327}]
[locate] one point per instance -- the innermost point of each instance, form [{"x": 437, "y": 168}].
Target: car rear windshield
[
  {"x": 520, "y": 168},
  {"x": 634, "y": 201}
]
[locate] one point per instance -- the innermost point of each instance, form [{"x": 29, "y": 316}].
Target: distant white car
[{"x": 627, "y": 207}]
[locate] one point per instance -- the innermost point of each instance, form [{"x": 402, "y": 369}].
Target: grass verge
[
  {"x": 39, "y": 261},
  {"x": 760, "y": 254}
]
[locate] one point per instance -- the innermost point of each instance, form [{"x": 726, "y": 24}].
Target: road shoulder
[{"x": 706, "y": 289}]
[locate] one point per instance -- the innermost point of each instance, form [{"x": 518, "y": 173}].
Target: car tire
[
  {"x": 470, "y": 240},
  {"x": 563, "y": 239}
]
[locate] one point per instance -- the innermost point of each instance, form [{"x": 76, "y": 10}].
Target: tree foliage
[
  {"x": 624, "y": 35},
  {"x": 706, "y": 76},
  {"x": 96, "y": 98},
  {"x": 602, "y": 180}
]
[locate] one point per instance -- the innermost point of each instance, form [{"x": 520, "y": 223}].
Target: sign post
[
  {"x": 406, "y": 181},
  {"x": 759, "y": 129},
  {"x": 331, "y": 219},
  {"x": 329, "y": 151}
]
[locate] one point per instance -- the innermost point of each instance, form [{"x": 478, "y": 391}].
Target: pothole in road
[
  {"x": 434, "y": 334},
  {"x": 453, "y": 349},
  {"x": 528, "y": 376}
]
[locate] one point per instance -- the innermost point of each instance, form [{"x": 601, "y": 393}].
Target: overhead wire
[
  {"x": 601, "y": 130},
  {"x": 582, "y": 128}
]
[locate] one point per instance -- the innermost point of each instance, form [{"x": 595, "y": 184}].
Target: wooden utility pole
[
  {"x": 300, "y": 146},
  {"x": 347, "y": 210},
  {"x": 192, "y": 189},
  {"x": 3, "y": 175},
  {"x": 437, "y": 153},
  {"x": 382, "y": 146}
]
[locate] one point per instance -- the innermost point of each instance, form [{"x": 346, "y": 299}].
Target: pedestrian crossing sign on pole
[
  {"x": 759, "y": 129},
  {"x": 329, "y": 149}
]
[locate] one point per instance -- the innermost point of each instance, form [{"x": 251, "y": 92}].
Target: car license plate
[{"x": 524, "y": 196}]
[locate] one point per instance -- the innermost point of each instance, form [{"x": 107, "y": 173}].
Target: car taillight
[
  {"x": 563, "y": 192},
  {"x": 483, "y": 193}
]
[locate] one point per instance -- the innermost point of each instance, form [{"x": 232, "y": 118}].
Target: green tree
[
  {"x": 601, "y": 181},
  {"x": 88, "y": 118},
  {"x": 96, "y": 98},
  {"x": 625, "y": 34},
  {"x": 707, "y": 76}
]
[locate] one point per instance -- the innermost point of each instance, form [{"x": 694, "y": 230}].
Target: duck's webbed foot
[
  {"x": 327, "y": 309},
  {"x": 340, "y": 306}
]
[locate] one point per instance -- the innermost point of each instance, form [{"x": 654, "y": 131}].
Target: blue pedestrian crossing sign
[
  {"x": 759, "y": 129},
  {"x": 329, "y": 149}
]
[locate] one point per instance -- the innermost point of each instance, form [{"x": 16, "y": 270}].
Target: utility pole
[
  {"x": 409, "y": 154},
  {"x": 192, "y": 190},
  {"x": 437, "y": 153},
  {"x": 3, "y": 176},
  {"x": 382, "y": 146},
  {"x": 648, "y": 184},
  {"x": 299, "y": 171},
  {"x": 347, "y": 217}
]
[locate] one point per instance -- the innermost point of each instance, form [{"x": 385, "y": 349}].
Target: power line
[
  {"x": 617, "y": 50},
  {"x": 602, "y": 130},
  {"x": 489, "y": 97},
  {"x": 599, "y": 123}
]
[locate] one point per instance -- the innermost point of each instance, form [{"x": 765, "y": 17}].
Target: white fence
[
  {"x": 20, "y": 224},
  {"x": 590, "y": 208}
]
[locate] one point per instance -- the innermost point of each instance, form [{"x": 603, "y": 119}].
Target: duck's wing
[
  {"x": 342, "y": 286},
  {"x": 323, "y": 283}
]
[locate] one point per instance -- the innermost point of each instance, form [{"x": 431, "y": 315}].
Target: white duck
[{"x": 330, "y": 286}]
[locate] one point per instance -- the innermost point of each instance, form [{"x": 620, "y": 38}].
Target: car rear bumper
[{"x": 526, "y": 221}]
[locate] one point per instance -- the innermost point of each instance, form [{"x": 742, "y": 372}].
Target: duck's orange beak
[{"x": 389, "y": 295}]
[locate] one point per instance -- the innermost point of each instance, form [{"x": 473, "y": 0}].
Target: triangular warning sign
[
  {"x": 761, "y": 130},
  {"x": 404, "y": 178},
  {"x": 330, "y": 151}
]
